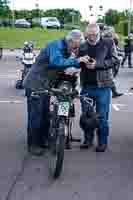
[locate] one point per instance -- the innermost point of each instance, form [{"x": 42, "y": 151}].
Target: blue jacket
[{"x": 53, "y": 58}]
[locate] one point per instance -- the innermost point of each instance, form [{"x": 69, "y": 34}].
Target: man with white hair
[
  {"x": 56, "y": 56},
  {"x": 96, "y": 81}
]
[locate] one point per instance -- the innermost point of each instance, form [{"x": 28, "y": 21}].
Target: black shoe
[
  {"x": 36, "y": 151},
  {"x": 44, "y": 145},
  {"x": 116, "y": 94},
  {"x": 68, "y": 143},
  {"x": 86, "y": 145},
  {"x": 68, "y": 146},
  {"x": 101, "y": 148}
]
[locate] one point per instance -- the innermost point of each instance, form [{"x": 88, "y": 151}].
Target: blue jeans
[
  {"x": 102, "y": 97},
  {"x": 38, "y": 119}
]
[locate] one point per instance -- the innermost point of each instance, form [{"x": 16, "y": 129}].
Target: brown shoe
[{"x": 101, "y": 148}]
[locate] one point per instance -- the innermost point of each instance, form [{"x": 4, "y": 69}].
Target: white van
[{"x": 50, "y": 22}]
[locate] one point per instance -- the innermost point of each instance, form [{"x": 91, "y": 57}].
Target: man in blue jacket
[{"x": 55, "y": 57}]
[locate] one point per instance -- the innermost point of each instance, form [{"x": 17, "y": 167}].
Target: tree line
[
  {"x": 111, "y": 17},
  {"x": 61, "y": 14}
]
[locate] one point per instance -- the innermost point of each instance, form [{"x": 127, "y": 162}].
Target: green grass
[
  {"x": 14, "y": 38},
  {"x": 121, "y": 40}
]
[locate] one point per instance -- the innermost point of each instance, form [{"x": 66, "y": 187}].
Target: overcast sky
[{"x": 82, "y": 5}]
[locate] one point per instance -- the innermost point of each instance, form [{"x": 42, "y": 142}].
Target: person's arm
[
  {"x": 57, "y": 60},
  {"x": 110, "y": 59}
]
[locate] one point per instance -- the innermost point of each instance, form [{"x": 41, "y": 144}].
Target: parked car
[
  {"x": 5, "y": 23},
  {"x": 22, "y": 23},
  {"x": 50, "y": 22},
  {"x": 109, "y": 29}
]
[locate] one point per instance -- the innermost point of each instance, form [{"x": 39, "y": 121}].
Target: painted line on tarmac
[
  {"x": 13, "y": 74},
  {"x": 128, "y": 93},
  {"x": 9, "y": 71},
  {"x": 115, "y": 107},
  {"x": 8, "y": 76},
  {"x": 121, "y": 107},
  {"x": 12, "y": 101}
]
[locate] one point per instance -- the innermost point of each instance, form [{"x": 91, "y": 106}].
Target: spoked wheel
[
  {"x": 69, "y": 134},
  {"x": 70, "y": 126},
  {"x": 56, "y": 152}
]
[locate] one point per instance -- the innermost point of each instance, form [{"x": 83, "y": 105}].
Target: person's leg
[
  {"x": 124, "y": 59},
  {"x": 115, "y": 94},
  {"x": 103, "y": 102},
  {"x": 129, "y": 60},
  {"x": 29, "y": 125},
  {"x": 45, "y": 120},
  {"x": 34, "y": 127}
]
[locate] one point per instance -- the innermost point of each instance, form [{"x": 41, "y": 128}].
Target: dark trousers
[
  {"x": 38, "y": 119},
  {"x": 129, "y": 57},
  {"x": 25, "y": 71}
]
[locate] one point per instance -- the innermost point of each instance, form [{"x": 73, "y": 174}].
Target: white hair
[{"x": 75, "y": 35}]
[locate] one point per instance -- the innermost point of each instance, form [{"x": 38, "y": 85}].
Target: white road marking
[
  {"x": 11, "y": 76},
  {"x": 115, "y": 107},
  {"x": 12, "y": 101},
  {"x": 119, "y": 107},
  {"x": 128, "y": 93}
]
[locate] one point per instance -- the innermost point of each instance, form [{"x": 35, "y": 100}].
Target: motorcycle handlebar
[{"x": 59, "y": 92}]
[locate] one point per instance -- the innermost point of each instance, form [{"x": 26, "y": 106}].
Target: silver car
[{"x": 22, "y": 23}]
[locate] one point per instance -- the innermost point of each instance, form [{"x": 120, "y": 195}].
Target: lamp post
[
  {"x": 90, "y": 7},
  {"x": 37, "y": 9},
  {"x": 100, "y": 8},
  {"x": 73, "y": 17},
  {"x": 13, "y": 13},
  {"x": 91, "y": 13},
  {"x": 129, "y": 18}
]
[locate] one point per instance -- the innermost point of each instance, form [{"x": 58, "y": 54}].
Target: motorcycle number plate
[{"x": 63, "y": 109}]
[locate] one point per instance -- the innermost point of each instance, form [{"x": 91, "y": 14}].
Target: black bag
[{"x": 89, "y": 121}]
